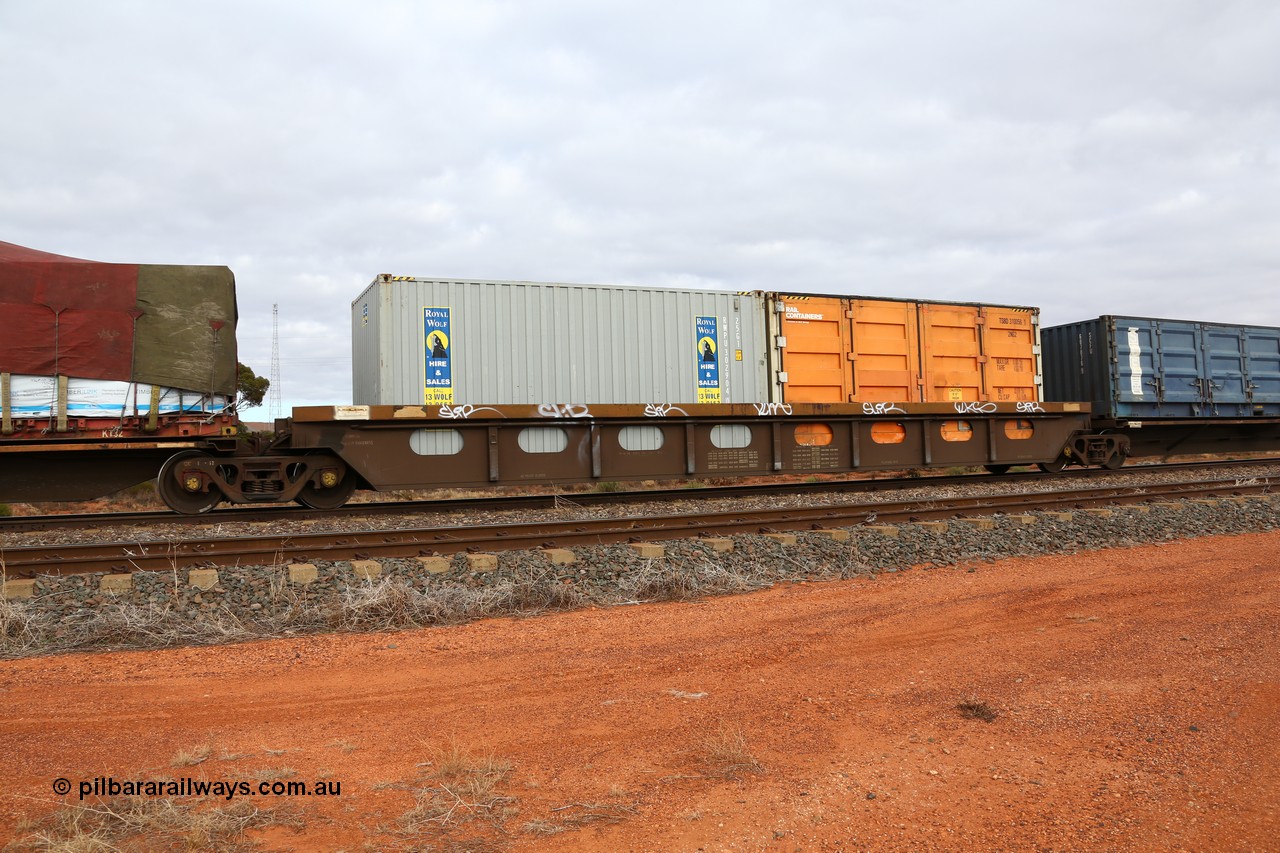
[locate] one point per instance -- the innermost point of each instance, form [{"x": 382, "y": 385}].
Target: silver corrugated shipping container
[{"x": 453, "y": 342}]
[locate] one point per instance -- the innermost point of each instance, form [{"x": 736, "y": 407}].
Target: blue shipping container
[{"x": 1143, "y": 368}]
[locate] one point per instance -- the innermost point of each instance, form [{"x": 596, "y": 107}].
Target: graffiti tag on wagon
[
  {"x": 563, "y": 410},
  {"x": 975, "y": 408},
  {"x": 1026, "y": 408},
  {"x": 882, "y": 409},
  {"x": 662, "y": 410},
  {"x": 465, "y": 411},
  {"x": 767, "y": 409}
]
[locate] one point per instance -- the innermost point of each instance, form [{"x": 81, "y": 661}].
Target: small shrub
[
  {"x": 5, "y": 510},
  {"x": 462, "y": 786},
  {"x": 191, "y": 757},
  {"x": 973, "y": 709},
  {"x": 608, "y": 486},
  {"x": 725, "y": 754}
]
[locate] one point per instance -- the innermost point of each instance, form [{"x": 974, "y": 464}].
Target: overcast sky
[{"x": 1087, "y": 157}]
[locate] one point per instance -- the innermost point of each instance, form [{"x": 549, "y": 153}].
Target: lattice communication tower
[{"x": 274, "y": 404}]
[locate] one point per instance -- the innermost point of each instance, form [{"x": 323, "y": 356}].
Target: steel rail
[
  {"x": 292, "y": 512},
  {"x": 285, "y": 548}
]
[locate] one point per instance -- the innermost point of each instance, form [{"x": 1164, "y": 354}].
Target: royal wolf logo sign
[
  {"x": 708, "y": 355},
  {"x": 438, "y": 346}
]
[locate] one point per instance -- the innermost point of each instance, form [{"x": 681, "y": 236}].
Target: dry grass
[
  {"x": 388, "y": 604},
  {"x": 26, "y": 630},
  {"x": 191, "y": 757},
  {"x": 457, "y": 762},
  {"x": 147, "y": 824},
  {"x": 397, "y": 603},
  {"x": 463, "y": 785},
  {"x": 22, "y": 630},
  {"x": 577, "y": 815},
  {"x": 725, "y": 754},
  {"x": 274, "y": 774},
  {"x": 975, "y": 709},
  {"x": 661, "y": 580},
  {"x": 542, "y": 827}
]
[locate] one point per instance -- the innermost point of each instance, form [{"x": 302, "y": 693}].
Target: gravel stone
[{"x": 161, "y": 609}]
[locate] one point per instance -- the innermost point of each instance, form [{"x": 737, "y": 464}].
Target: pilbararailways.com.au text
[{"x": 228, "y": 789}]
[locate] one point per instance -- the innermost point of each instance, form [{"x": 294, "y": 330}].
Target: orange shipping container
[
  {"x": 815, "y": 335},
  {"x": 1011, "y": 344},
  {"x": 885, "y": 350},
  {"x": 828, "y": 349}
]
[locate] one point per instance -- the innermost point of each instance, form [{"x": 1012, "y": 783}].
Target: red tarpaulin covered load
[{"x": 170, "y": 326}]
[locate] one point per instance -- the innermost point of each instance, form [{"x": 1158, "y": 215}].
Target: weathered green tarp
[{"x": 172, "y": 326}]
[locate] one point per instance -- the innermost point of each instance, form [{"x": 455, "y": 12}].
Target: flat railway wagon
[
  {"x": 325, "y": 453},
  {"x": 107, "y": 370}
]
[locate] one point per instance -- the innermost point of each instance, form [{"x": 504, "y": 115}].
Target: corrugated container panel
[
  {"x": 951, "y": 354},
  {"x": 1225, "y": 357},
  {"x": 856, "y": 349},
  {"x": 1011, "y": 344},
  {"x": 1263, "y": 347},
  {"x": 366, "y": 345},
  {"x": 1172, "y": 356},
  {"x": 1141, "y": 367},
  {"x": 506, "y": 343},
  {"x": 1076, "y": 366},
  {"x": 886, "y": 363},
  {"x": 814, "y": 336}
]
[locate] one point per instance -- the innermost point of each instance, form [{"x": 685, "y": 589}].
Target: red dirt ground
[{"x": 1137, "y": 693}]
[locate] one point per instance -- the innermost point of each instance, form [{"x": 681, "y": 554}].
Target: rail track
[
  {"x": 293, "y": 512},
  {"x": 302, "y": 547}
]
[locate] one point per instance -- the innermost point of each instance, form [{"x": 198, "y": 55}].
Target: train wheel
[
  {"x": 998, "y": 469},
  {"x": 176, "y": 494},
  {"x": 1114, "y": 462},
  {"x": 1055, "y": 467},
  {"x": 330, "y": 498}
]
